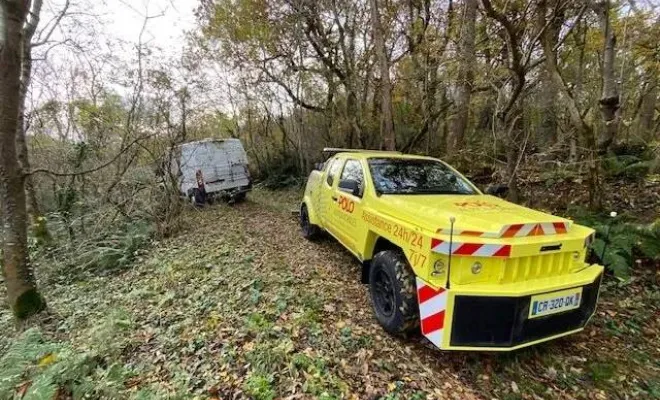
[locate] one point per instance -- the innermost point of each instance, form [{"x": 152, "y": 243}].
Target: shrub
[
  {"x": 627, "y": 166},
  {"x": 619, "y": 243},
  {"x": 631, "y": 162},
  {"x": 112, "y": 250}
]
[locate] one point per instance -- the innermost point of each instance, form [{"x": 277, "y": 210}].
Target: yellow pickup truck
[{"x": 473, "y": 271}]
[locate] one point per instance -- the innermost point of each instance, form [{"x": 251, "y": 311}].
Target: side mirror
[
  {"x": 499, "y": 190},
  {"x": 350, "y": 186},
  {"x": 319, "y": 166}
]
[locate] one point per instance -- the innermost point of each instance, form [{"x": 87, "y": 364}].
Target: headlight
[
  {"x": 438, "y": 268},
  {"x": 476, "y": 268}
]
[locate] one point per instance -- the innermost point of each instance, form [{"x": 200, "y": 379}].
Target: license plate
[{"x": 555, "y": 302}]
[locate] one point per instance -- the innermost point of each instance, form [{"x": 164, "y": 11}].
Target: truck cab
[{"x": 472, "y": 271}]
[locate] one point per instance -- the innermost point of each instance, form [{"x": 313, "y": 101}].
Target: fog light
[
  {"x": 438, "y": 268},
  {"x": 476, "y": 268}
]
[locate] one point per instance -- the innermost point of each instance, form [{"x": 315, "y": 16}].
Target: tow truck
[{"x": 470, "y": 270}]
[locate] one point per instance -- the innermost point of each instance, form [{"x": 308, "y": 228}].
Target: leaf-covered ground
[{"x": 239, "y": 306}]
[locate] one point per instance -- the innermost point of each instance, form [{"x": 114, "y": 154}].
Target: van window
[{"x": 333, "y": 170}]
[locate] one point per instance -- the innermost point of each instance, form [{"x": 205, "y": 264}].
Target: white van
[{"x": 213, "y": 168}]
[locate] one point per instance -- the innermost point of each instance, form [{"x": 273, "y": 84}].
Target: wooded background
[{"x": 478, "y": 83}]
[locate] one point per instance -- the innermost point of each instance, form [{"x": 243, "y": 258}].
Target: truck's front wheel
[
  {"x": 393, "y": 294},
  {"x": 309, "y": 230}
]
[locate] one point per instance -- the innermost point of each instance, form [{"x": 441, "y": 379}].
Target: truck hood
[{"x": 474, "y": 213}]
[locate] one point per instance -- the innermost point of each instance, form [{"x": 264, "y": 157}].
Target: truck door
[
  {"x": 349, "y": 205},
  {"x": 327, "y": 196}
]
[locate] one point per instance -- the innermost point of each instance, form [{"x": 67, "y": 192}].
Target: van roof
[{"x": 208, "y": 140}]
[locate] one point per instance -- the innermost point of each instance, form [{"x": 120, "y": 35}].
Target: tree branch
[
  {"x": 289, "y": 92},
  {"x": 89, "y": 171},
  {"x": 58, "y": 19}
]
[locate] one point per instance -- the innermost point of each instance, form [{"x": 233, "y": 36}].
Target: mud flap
[{"x": 432, "y": 307}]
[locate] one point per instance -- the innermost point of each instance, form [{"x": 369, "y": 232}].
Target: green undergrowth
[
  {"x": 238, "y": 306},
  {"x": 623, "y": 245},
  {"x": 36, "y": 366},
  {"x": 113, "y": 249}
]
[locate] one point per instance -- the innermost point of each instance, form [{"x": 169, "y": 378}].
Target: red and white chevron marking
[
  {"x": 432, "y": 307},
  {"x": 517, "y": 230},
  {"x": 521, "y": 230},
  {"x": 471, "y": 249}
]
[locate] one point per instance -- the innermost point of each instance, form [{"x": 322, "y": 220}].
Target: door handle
[{"x": 334, "y": 198}]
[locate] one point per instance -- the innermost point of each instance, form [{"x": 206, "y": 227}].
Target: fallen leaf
[{"x": 47, "y": 360}]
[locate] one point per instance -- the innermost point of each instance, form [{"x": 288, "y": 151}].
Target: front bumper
[{"x": 495, "y": 322}]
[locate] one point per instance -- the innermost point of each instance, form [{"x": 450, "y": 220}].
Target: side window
[
  {"x": 333, "y": 170},
  {"x": 353, "y": 170}
]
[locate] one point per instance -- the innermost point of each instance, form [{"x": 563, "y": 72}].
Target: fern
[
  {"x": 49, "y": 367},
  {"x": 43, "y": 388},
  {"x": 621, "y": 241},
  {"x": 617, "y": 245},
  {"x": 21, "y": 355},
  {"x": 100, "y": 255},
  {"x": 628, "y": 167},
  {"x": 649, "y": 241}
]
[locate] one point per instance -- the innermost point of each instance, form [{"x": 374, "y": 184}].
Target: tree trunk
[
  {"x": 579, "y": 85},
  {"x": 22, "y": 293},
  {"x": 609, "y": 99},
  {"x": 387, "y": 117},
  {"x": 647, "y": 112},
  {"x": 40, "y": 229},
  {"x": 514, "y": 126},
  {"x": 547, "y": 134},
  {"x": 585, "y": 130},
  {"x": 467, "y": 61}
]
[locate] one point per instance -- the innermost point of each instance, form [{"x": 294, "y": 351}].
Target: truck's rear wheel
[
  {"x": 393, "y": 294},
  {"x": 309, "y": 230}
]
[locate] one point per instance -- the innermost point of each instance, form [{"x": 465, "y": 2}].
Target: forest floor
[{"x": 238, "y": 305}]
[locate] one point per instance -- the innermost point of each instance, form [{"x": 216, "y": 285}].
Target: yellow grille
[{"x": 521, "y": 269}]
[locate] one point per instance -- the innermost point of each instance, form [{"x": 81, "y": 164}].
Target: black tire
[
  {"x": 199, "y": 197},
  {"x": 309, "y": 230},
  {"x": 393, "y": 293}
]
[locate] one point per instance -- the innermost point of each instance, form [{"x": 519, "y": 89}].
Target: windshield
[{"x": 416, "y": 176}]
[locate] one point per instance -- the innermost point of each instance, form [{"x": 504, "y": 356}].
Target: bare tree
[
  {"x": 38, "y": 221},
  {"x": 578, "y": 120},
  {"x": 386, "y": 117},
  {"x": 510, "y": 115},
  {"x": 22, "y": 292},
  {"x": 647, "y": 106},
  {"x": 609, "y": 99},
  {"x": 547, "y": 132},
  {"x": 467, "y": 61}
]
